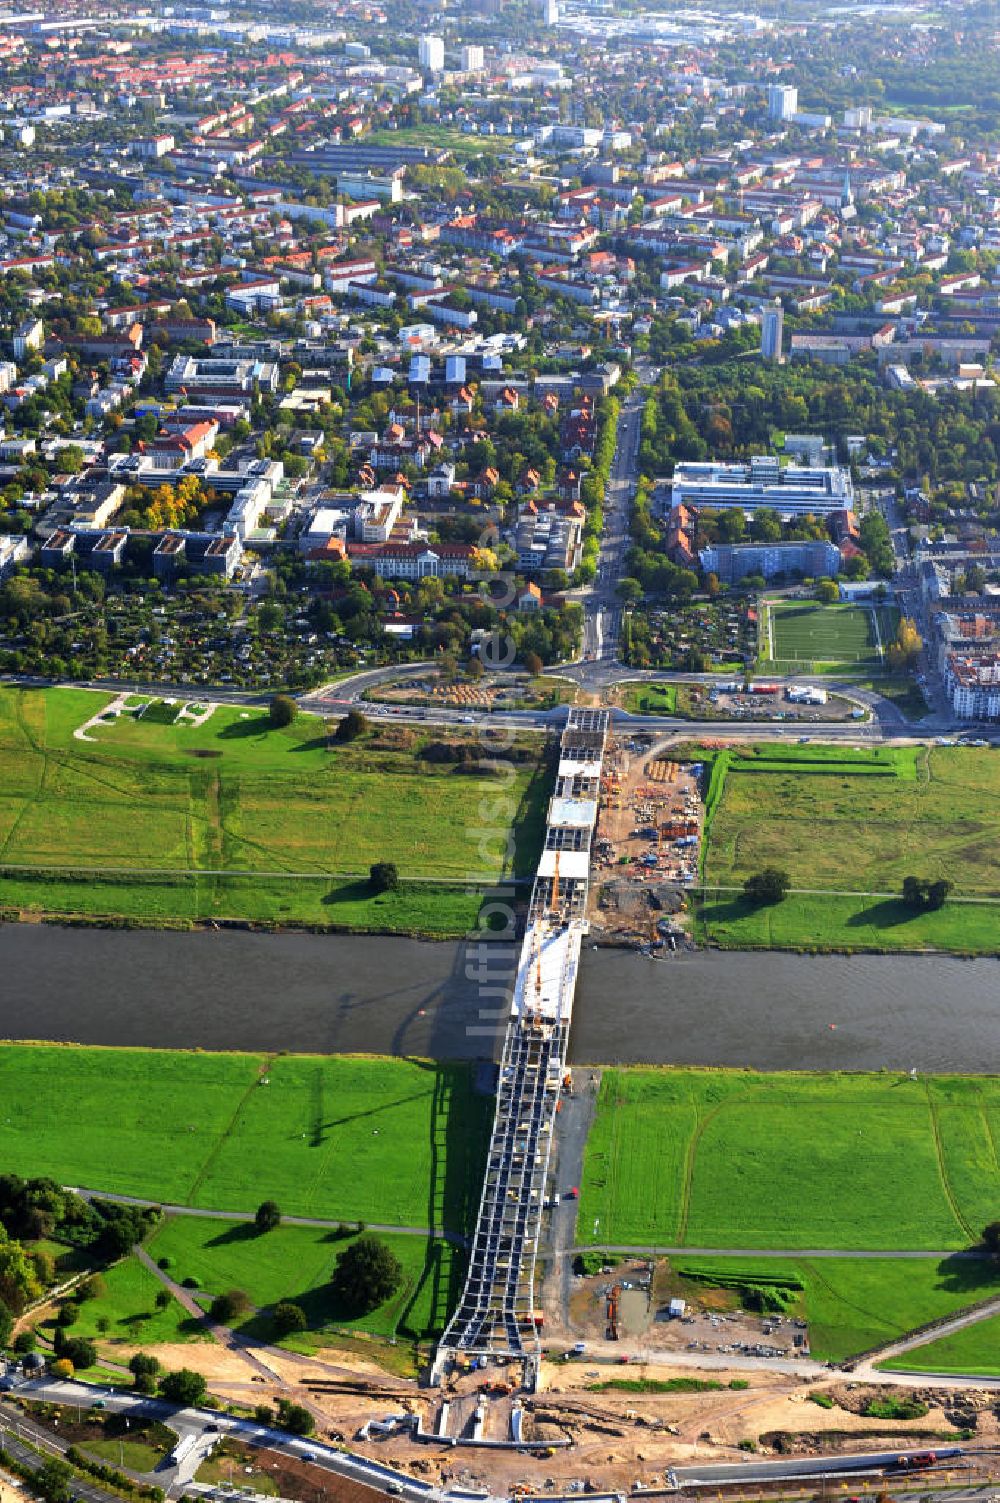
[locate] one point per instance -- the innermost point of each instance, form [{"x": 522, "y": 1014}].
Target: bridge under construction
[{"x": 495, "y": 1318}]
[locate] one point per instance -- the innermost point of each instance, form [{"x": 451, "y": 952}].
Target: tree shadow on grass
[
  {"x": 240, "y": 1231},
  {"x": 242, "y": 730},
  {"x": 320, "y": 1306},
  {"x": 887, "y": 914},
  {"x": 976, "y": 1276},
  {"x": 315, "y": 743},
  {"x": 350, "y": 892},
  {"x": 728, "y": 910}
]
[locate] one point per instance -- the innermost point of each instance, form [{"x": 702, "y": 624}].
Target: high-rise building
[
  {"x": 772, "y": 326},
  {"x": 782, "y": 101},
  {"x": 472, "y": 59},
  {"x": 550, "y": 12},
  {"x": 431, "y": 54}
]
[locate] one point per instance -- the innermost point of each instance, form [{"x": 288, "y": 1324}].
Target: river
[{"x": 345, "y": 993}]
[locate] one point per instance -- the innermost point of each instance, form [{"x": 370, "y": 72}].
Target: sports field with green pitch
[
  {"x": 156, "y": 817},
  {"x": 804, "y": 635}
]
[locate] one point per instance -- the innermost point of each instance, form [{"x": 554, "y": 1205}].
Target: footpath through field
[{"x": 246, "y": 1217}]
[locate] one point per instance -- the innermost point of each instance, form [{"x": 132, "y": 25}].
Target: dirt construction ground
[
  {"x": 617, "y": 1438},
  {"x": 647, "y": 839}
]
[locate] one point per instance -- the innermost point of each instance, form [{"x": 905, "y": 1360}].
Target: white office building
[
  {"x": 782, "y": 101},
  {"x": 790, "y": 490},
  {"x": 431, "y": 54},
  {"x": 472, "y": 59}
]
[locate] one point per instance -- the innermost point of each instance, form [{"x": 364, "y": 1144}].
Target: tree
[
  {"x": 295, "y": 1417},
  {"x": 532, "y": 663},
  {"x": 225, "y": 1308},
  {"x": 183, "y": 1386},
  {"x": 78, "y": 1350},
  {"x": 366, "y": 1274},
  {"x": 71, "y": 459},
  {"x": 351, "y": 727},
  {"x": 53, "y": 1480},
  {"x": 163, "y": 1298},
  {"x": 18, "y": 1284},
  {"x": 991, "y": 1239},
  {"x": 906, "y": 648},
  {"x": 62, "y": 1367},
  {"x": 6, "y": 1323},
  {"x": 144, "y": 1367},
  {"x": 767, "y": 886},
  {"x": 923, "y": 895},
  {"x": 281, "y": 711},
  {"x": 383, "y": 876},
  {"x": 267, "y": 1217},
  {"x": 827, "y": 592},
  {"x": 288, "y": 1317}
]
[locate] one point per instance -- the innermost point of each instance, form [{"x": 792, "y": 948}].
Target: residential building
[
  {"x": 782, "y": 101},
  {"x": 771, "y": 329},
  {"x": 30, "y": 336},
  {"x": 430, "y": 54},
  {"x": 734, "y": 561}
]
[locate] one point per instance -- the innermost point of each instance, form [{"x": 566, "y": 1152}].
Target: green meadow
[
  {"x": 347, "y": 1136},
  {"x": 154, "y": 818},
  {"x": 848, "y": 825},
  {"x": 734, "y": 1159}
]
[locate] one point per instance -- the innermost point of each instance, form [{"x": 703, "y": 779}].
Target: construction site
[{"x": 647, "y": 851}]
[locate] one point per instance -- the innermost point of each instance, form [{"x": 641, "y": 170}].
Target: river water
[{"x": 327, "y": 993}]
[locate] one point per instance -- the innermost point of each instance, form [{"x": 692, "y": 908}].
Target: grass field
[
  {"x": 295, "y": 1262},
  {"x": 127, "y": 1313},
  {"x": 651, "y": 699},
  {"x": 841, "y": 818},
  {"x": 735, "y": 1159},
  {"x": 186, "y": 808},
  {"x": 827, "y": 638},
  {"x": 855, "y": 1304},
  {"x": 447, "y": 139},
  {"x": 353, "y": 1137},
  {"x": 976, "y": 1351},
  {"x": 821, "y": 922}
]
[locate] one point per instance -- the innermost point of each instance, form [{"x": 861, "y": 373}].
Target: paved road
[
  {"x": 15, "y": 1431},
  {"x": 196, "y": 1421},
  {"x": 800, "y": 1466},
  {"x": 868, "y": 1368},
  {"x": 572, "y": 1130},
  {"x": 602, "y": 610}
]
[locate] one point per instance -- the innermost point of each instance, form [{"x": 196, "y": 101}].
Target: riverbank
[{"x": 826, "y": 923}]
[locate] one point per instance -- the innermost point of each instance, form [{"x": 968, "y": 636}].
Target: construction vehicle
[{"x": 613, "y": 1295}]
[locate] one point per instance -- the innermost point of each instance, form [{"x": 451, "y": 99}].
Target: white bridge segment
[{"x": 496, "y": 1314}]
